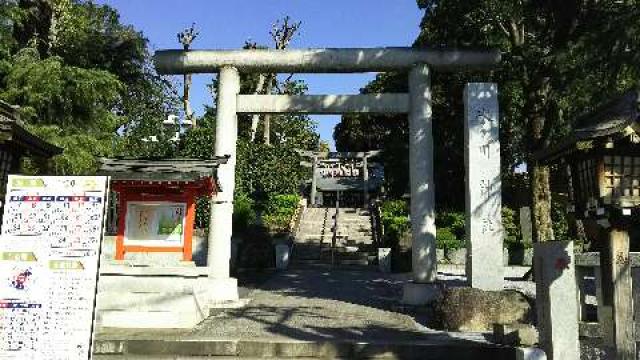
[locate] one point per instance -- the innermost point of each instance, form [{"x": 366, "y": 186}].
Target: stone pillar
[
  {"x": 556, "y": 301},
  {"x": 365, "y": 181},
  {"x": 314, "y": 186},
  {"x": 485, "y": 263},
  {"x": 219, "y": 252},
  {"x": 423, "y": 228},
  {"x": 526, "y": 227}
]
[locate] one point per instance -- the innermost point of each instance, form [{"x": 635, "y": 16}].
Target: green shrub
[
  {"x": 392, "y": 208},
  {"x": 451, "y": 225},
  {"x": 279, "y": 211},
  {"x": 394, "y": 215},
  {"x": 244, "y": 214},
  {"x": 283, "y": 204},
  {"x": 511, "y": 226},
  {"x": 446, "y": 239},
  {"x": 453, "y": 222}
]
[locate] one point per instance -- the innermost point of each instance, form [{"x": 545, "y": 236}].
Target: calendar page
[{"x": 49, "y": 252}]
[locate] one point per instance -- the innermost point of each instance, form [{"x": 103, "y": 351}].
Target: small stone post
[
  {"x": 314, "y": 189},
  {"x": 219, "y": 252},
  {"x": 485, "y": 263},
  {"x": 526, "y": 228},
  {"x": 556, "y": 301},
  {"x": 365, "y": 181}
]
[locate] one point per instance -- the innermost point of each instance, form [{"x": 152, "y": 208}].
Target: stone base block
[
  {"x": 176, "y": 302},
  {"x": 212, "y": 292},
  {"x": 283, "y": 255},
  {"x": 419, "y": 293},
  {"x": 384, "y": 260},
  {"x": 530, "y": 354},
  {"x": 217, "y": 308},
  {"x": 148, "y": 319}
]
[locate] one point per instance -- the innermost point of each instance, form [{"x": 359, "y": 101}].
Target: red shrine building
[{"x": 156, "y": 202}]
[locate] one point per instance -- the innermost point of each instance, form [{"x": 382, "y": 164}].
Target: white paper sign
[
  {"x": 49, "y": 252},
  {"x": 155, "y": 223}
]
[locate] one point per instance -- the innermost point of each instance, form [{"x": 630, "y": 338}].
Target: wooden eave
[
  {"x": 150, "y": 172},
  {"x": 13, "y": 134},
  {"x": 612, "y": 122}
]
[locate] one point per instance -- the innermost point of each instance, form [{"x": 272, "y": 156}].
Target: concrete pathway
[{"x": 318, "y": 303}]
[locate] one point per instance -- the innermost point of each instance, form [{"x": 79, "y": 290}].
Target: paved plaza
[{"x": 333, "y": 309}]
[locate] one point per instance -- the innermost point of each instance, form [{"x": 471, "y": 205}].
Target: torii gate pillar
[{"x": 224, "y": 288}]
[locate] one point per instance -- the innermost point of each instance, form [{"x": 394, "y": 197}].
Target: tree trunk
[
  {"x": 539, "y": 128},
  {"x": 541, "y": 203}
]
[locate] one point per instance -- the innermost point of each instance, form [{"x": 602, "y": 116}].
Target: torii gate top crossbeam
[{"x": 320, "y": 60}]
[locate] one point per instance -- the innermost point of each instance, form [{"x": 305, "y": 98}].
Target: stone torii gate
[{"x": 417, "y": 104}]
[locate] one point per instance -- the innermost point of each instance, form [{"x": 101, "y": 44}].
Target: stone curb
[
  {"x": 530, "y": 354},
  {"x": 437, "y": 349}
]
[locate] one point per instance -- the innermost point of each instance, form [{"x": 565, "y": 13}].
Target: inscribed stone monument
[{"x": 485, "y": 269}]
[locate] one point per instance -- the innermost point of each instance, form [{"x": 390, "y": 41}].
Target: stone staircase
[{"x": 354, "y": 240}]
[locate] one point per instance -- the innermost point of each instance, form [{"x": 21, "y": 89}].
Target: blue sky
[{"x": 325, "y": 23}]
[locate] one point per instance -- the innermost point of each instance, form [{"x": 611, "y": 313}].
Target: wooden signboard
[{"x": 49, "y": 252}]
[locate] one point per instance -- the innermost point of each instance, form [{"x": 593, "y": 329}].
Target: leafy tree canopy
[
  {"x": 83, "y": 80},
  {"x": 560, "y": 59}
]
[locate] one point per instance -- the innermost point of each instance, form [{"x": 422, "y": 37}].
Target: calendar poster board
[{"x": 49, "y": 252}]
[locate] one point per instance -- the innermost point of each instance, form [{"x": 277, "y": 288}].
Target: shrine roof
[
  {"x": 339, "y": 154},
  {"x": 616, "y": 119},
  {"x": 12, "y": 132},
  {"x": 178, "y": 169}
]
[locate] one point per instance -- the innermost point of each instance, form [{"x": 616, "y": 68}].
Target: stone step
[
  {"x": 141, "y": 301},
  {"x": 353, "y": 228},
  {"x": 305, "y": 253},
  {"x": 352, "y": 262},
  {"x": 314, "y": 229},
  {"x": 311, "y": 241},
  {"x": 352, "y": 233},
  {"x": 343, "y": 220},
  {"x": 347, "y": 255},
  {"x": 306, "y": 221},
  {"x": 305, "y": 236},
  {"x": 148, "y": 284},
  {"x": 431, "y": 348},
  {"x": 132, "y": 319}
]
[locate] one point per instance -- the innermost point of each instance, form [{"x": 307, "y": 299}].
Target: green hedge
[
  {"x": 511, "y": 226},
  {"x": 450, "y": 226},
  {"x": 394, "y": 215},
  {"x": 244, "y": 213},
  {"x": 279, "y": 211},
  {"x": 450, "y": 230}
]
